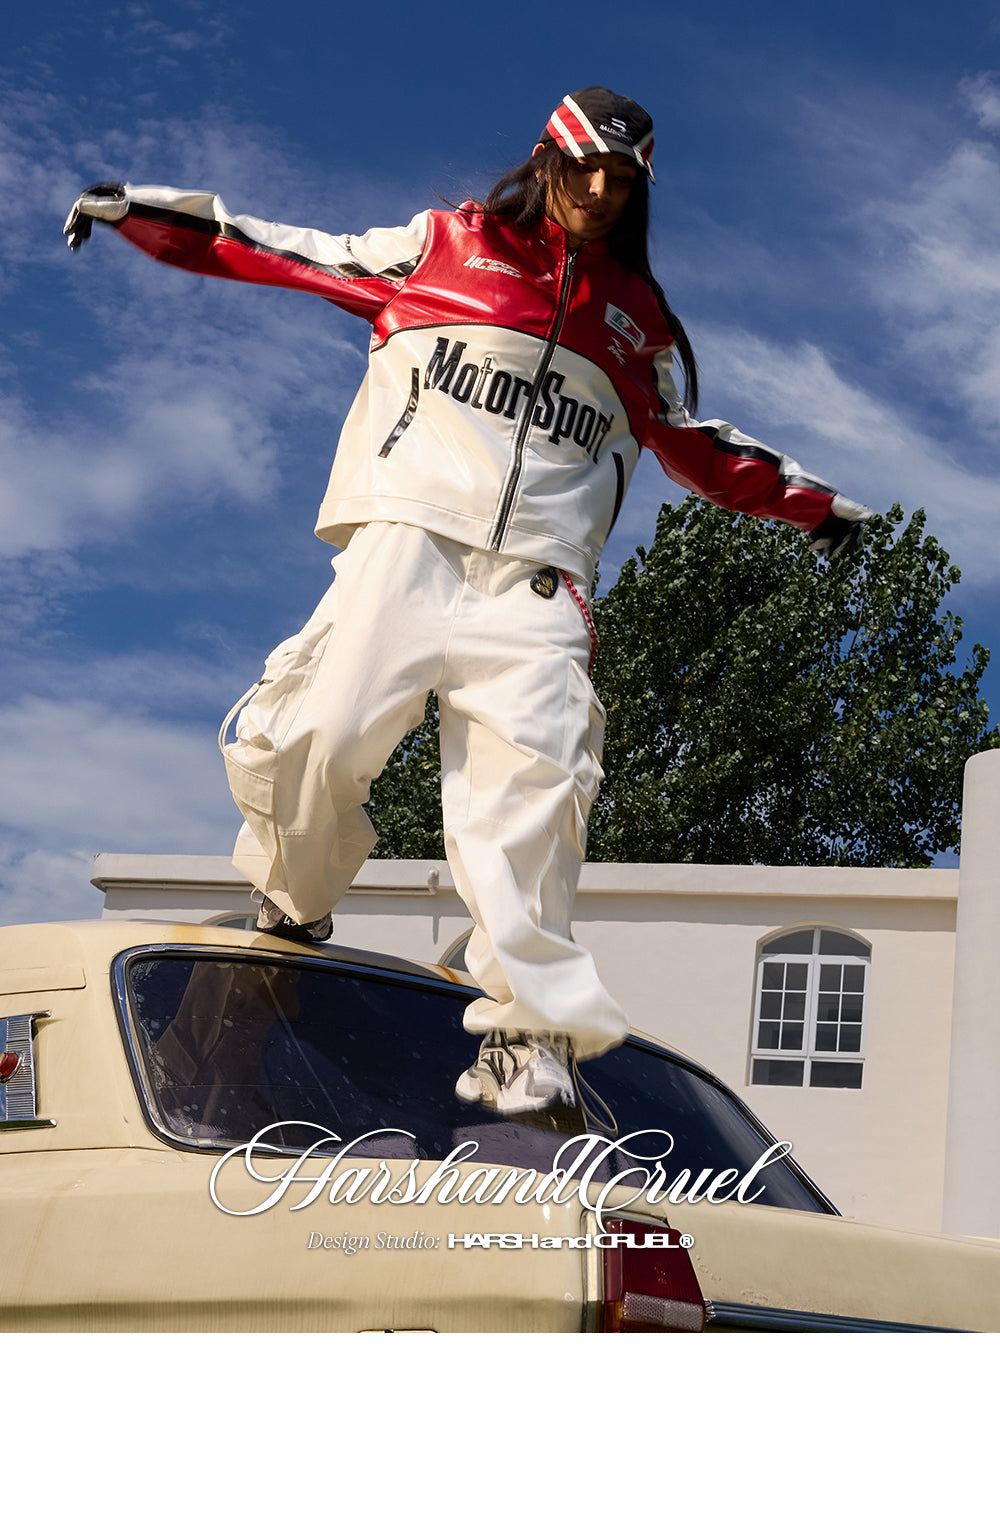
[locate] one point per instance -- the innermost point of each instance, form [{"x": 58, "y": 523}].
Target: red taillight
[
  {"x": 9, "y": 1066},
  {"x": 648, "y": 1290}
]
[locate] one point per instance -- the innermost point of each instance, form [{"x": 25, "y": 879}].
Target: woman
[{"x": 521, "y": 357}]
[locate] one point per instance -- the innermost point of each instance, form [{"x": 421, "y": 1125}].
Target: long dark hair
[{"x": 524, "y": 194}]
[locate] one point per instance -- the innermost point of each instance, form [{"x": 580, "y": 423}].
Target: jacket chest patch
[
  {"x": 623, "y": 324},
  {"x": 491, "y": 266}
]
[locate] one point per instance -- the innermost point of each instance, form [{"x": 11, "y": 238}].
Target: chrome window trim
[
  {"x": 18, "y": 1101},
  {"x": 401, "y": 973},
  {"x": 748, "y": 1318}
]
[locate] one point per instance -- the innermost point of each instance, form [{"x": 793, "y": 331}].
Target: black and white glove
[
  {"x": 840, "y": 532},
  {"x": 108, "y": 203}
]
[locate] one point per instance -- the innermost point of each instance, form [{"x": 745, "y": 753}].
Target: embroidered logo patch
[
  {"x": 494, "y": 266},
  {"x": 622, "y": 324}
]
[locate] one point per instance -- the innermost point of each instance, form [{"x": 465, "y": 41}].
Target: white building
[{"x": 853, "y": 1009}]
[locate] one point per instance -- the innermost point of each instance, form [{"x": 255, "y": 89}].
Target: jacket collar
[{"x": 554, "y": 233}]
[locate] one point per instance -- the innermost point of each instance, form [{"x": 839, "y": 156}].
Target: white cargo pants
[{"x": 521, "y": 735}]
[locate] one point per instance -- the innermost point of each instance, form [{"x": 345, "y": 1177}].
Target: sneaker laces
[
  {"x": 497, "y": 1039},
  {"x": 588, "y": 1097},
  {"x": 597, "y": 1115}
]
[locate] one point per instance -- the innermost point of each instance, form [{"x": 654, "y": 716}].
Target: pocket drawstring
[{"x": 233, "y": 713}]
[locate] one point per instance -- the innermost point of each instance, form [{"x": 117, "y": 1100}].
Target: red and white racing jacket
[{"x": 512, "y": 381}]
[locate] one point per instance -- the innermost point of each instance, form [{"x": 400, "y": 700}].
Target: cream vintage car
[{"x": 205, "y": 1129}]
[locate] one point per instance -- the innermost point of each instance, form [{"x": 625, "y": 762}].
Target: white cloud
[
  {"x": 980, "y": 95},
  {"x": 82, "y": 776},
  {"x": 193, "y": 384},
  {"x": 191, "y": 407},
  {"x": 136, "y": 29},
  {"x": 47, "y": 156},
  {"x": 870, "y": 450},
  {"x": 84, "y": 769},
  {"x": 797, "y": 385},
  {"x": 141, "y": 682},
  {"x": 938, "y": 287},
  {"x": 173, "y": 438},
  {"x": 46, "y": 884},
  {"x": 949, "y": 261},
  {"x": 103, "y": 755}
]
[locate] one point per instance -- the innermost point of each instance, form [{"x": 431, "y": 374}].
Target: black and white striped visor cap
[{"x": 596, "y": 121}]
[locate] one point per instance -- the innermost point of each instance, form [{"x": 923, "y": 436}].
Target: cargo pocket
[
  {"x": 266, "y": 713},
  {"x": 249, "y": 789}
]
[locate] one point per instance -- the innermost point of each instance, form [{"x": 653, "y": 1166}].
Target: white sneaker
[
  {"x": 276, "y": 924},
  {"x": 519, "y": 1072}
]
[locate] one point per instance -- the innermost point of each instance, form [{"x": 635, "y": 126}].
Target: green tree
[
  {"x": 762, "y": 708},
  {"x": 406, "y": 797}
]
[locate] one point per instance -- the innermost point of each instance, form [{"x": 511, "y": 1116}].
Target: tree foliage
[
  {"x": 406, "y": 797},
  {"x": 762, "y": 708}
]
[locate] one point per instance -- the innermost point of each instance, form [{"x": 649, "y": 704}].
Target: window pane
[
  {"x": 829, "y": 976},
  {"x": 854, "y": 977},
  {"x": 772, "y": 976},
  {"x": 792, "y": 942},
  {"x": 850, "y": 1039},
  {"x": 791, "y": 1035},
  {"x": 231, "y": 1045},
  {"x": 828, "y": 1008},
  {"x": 851, "y": 1008},
  {"x": 768, "y": 1035},
  {"x": 234, "y": 1045},
  {"x": 796, "y": 976},
  {"x": 647, "y": 1090},
  {"x": 795, "y": 1008},
  {"x": 832, "y": 1075},
  {"x": 826, "y": 1037},
  {"x": 770, "y": 1006},
  {"x": 839, "y": 942},
  {"x": 777, "y": 1072}
]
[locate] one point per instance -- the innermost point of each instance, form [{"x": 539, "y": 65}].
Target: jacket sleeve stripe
[
  {"x": 228, "y": 230},
  {"x": 751, "y": 450},
  {"x": 360, "y": 274},
  {"x": 730, "y": 468}
]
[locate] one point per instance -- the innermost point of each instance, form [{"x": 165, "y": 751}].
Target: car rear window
[{"x": 223, "y": 1047}]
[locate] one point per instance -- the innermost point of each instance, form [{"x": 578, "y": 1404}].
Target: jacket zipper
[
  {"x": 507, "y": 499},
  {"x": 407, "y": 416}
]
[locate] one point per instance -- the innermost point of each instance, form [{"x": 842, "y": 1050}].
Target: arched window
[{"x": 809, "y": 1015}]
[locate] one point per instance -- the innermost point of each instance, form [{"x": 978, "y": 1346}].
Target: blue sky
[{"x": 826, "y": 221}]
